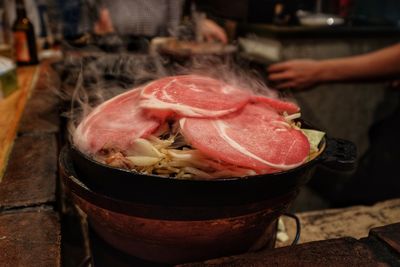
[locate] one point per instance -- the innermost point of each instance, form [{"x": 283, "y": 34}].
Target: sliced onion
[
  {"x": 159, "y": 143},
  {"x": 142, "y": 147},
  {"x": 197, "y": 172},
  {"x": 292, "y": 116},
  {"x": 143, "y": 161}
]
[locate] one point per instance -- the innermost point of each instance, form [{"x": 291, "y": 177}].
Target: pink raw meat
[
  {"x": 279, "y": 105},
  {"x": 114, "y": 124},
  {"x": 256, "y": 138},
  {"x": 192, "y": 96}
]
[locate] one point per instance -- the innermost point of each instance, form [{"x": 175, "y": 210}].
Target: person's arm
[
  {"x": 381, "y": 63},
  {"x": 211, "y": 31},
  {"x": 104, "y": 24},
  {"x": 207, "y": 29},
  {"x": 306, "y": 73}
]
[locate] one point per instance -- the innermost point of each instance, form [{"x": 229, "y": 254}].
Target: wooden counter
[
  {"x": 29, "y": 221},
  {"x": 11, "y": 109}
]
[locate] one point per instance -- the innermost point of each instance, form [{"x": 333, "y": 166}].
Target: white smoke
[{"x": 129, "y": 71}]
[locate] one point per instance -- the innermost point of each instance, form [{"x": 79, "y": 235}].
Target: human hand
[
  {"x": 211, "y": 31},
  {"x": 104, "y": 24},
  {"x": 296, "y": 74}
]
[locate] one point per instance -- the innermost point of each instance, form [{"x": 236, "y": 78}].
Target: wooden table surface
[
  {"x": 30, "y": 227},
  {"x": 11, "y": 109}
]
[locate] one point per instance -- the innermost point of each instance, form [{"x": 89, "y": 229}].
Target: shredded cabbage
[{"x": 168, "y": 155}]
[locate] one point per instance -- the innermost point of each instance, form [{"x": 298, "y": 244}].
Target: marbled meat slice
[
  {"x": 192, "y": 96},
  {"x": 115, "y": 123},
  {"x": 257, "y": 138},
  {"x": 277, "y": 104}
]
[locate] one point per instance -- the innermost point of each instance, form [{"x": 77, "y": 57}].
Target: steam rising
[{"x": 101, "y": 77}]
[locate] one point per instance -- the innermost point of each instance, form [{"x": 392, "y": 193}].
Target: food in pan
[{"x": 196, "y": 127}]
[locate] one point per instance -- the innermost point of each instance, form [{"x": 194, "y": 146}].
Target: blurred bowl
[
  {"x": 320, "y": 19},
  {"x": 181, "y": 48}
]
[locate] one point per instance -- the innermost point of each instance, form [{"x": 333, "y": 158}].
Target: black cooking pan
[{"x": 151, "y": 189}]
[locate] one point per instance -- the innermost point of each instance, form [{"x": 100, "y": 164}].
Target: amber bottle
[{"x": 24, "y": 37}]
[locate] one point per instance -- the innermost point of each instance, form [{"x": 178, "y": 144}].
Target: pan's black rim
[
  {"x": 186, "y": 195},
  {"x": 222, "y": 180},
  {"x": 305, "y": 125},
  {"x": 176, "y": 211}
]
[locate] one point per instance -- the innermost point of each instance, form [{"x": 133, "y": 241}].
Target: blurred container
[
  {"x": 6, "y": 39},
  {"x": 8, "y": 77},
  {"x": 24, "y": 37},
  {"x": 6, "y": 50}
]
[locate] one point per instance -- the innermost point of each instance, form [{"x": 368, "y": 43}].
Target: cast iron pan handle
[
  {"x": 298, "y": 227},
  {"x": 339, "y": 154}
]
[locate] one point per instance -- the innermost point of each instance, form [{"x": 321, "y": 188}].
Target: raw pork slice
[
  {"x": 192, "y": 96},
  {"x": 279, "y": 105},
  {"x": 257, "y": 138},
  {"x": 114, "y": 124}
]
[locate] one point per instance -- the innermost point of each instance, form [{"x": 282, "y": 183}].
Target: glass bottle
[{"x": 24, "y": 37}]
